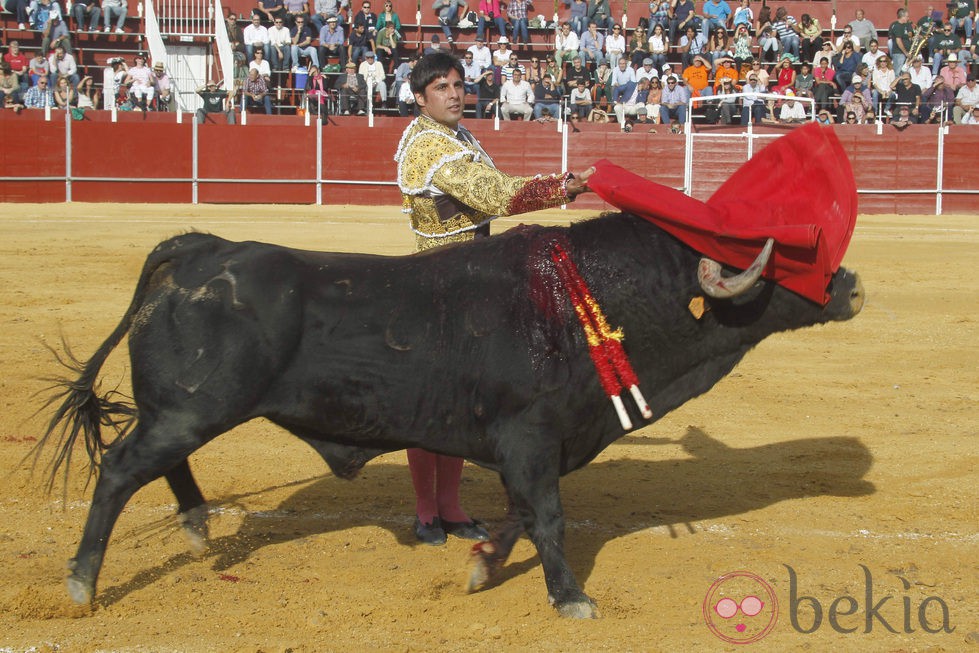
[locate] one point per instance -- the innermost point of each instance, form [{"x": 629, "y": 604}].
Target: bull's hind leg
[
  {"x": 191, "y": 507},
  {"x": 146, "y": 454}
]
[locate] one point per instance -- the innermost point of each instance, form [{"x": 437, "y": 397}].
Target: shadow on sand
[{"x": 603, "y": 501}]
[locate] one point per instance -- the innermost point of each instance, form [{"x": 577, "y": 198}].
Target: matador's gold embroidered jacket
[{"x": 450, "y": 186}]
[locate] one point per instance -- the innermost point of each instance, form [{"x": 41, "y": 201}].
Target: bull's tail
[{"x": 81, "y": 409}]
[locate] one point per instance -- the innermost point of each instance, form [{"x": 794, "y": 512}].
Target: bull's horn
[{"x": 719, "y": 287}]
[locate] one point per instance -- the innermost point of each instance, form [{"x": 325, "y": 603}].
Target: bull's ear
[{"x": 719, "y": 287}]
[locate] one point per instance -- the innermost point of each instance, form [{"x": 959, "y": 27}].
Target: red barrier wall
[{"x": 149, "y": 158}]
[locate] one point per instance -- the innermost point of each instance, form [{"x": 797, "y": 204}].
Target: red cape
[{"x": 798, "y": 190}]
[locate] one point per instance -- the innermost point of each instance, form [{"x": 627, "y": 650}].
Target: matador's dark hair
[{"x": 431, "y": 67}]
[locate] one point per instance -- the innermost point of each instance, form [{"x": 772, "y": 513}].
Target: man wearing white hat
[{"x": 373, "y": 72}]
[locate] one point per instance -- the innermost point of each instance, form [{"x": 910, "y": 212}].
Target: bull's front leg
[{"x": 532, "y": 483}]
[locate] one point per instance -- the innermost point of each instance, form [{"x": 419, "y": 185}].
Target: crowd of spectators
[{"x": 744, "y": 61}]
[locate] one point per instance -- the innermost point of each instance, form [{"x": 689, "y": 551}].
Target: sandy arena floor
[{"x": 826, "y": 451}]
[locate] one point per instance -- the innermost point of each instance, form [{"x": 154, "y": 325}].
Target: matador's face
[{"x": 443, "y": 99}]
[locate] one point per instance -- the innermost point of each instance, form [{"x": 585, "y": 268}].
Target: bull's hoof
[
  {"x": 583, "y": 608},
  {"x": 483, "y": 565},
  {"x": 80, "y": 591},
  {"x": 194, "y": 523}
]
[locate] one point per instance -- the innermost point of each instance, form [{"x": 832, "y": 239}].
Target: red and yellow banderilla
[{"x": 604, "y": 345}]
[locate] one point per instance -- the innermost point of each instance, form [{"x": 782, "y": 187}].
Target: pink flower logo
[{"x": 740, "y": 608}]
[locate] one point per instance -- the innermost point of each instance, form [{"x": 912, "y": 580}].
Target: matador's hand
[{"x": 579, "y": 184}]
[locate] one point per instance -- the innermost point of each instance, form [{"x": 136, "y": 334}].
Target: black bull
[{"x": 471, "y": 350}]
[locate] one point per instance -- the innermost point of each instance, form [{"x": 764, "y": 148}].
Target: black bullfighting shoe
[
  {"x": 431, "y": 534},
  {"x": 467, "y": 530}
]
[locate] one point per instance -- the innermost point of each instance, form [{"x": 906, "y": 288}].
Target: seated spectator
[
  {"x": 39, "y": 67},
  {"x": 366, "y": 18},
  {"x": 62, "y": 64},
  {"x": 332, "y": 43},
  {"x": 373, "y": 73},
  {"x": 863, "y": 30},
  {"x": 600, "y": 13},
  {"x": 580, "y": 101},
  {"x": 697, "y": 76},
  {"x": 937, "y": 102},
  {"x": 785, "y": 29},
  {"x": 113, "y": 76},
  {"x": 972, "y": 118},
  {"x": 506, "y": 71},
  {"x": 692, "y": 45},
  {"x": 517, "y": 13},
  {"x": 302, "y": 42},
  {"x": 768, "y": 44},
  {"x": 944, "y": 45},
  {"x": 10, "y": 95},
  {"x": 592, "y": 45},
  {"x": 725, "y": 70},
  {"x": 615, "y": 47},
  {"x": 851, "y": 118},
  {"x": 389, "y": 16},
  {"x": 804, "y": 81},
  {"x": 19, "y": 9},
  {"x": 406, "y": 99},
  {"x": 648, "y": 70},
  {"x": 47, "y": 18},
  {"x": 907, "y": 94},
  {"x": 19, "y": 62},
  {"x": 448, "y": 15},
  {"x": 601, "y": 86},
  {"x": 753, "y": 107},
  {"x": 575, "y": 73},
  {"x": 140, "y": 81},
  {"x": 269, "y": 10},
  {"x": 742, "y": 44},
  {"x": 326, "y": 9},
  {"x": 116, "y": 9},
  {"x": 727, "y": 106},
  {"x": 966, "y": 99},
  {"x": 482, "y": 55},
  {"x": 881, "y": 84},
  {"x": 810, "y": 37},
  {"x": 845, "y": 64},
  {"x": 920, "y": 74},
  {"x": 65, "y": 95},
  {"x": 718, "y": 46},
  {"x": 488, "y": 98},
  {"x": 256, "y": 92},
  {"x": 874, "y": 53},
  {"x": 954, "y": 76},
  {"x": 501, "y": 55},
  {"x": 578, "y": 17},
  {"x": 846, "y": 37},
  {"x": 256, "y": 37},
  {"x": 824, "y": 117},
  {"x": 631, "y": 102},
  {"x": 547, "y": 96},
  {"x": 489, "y": 11},
  {"x": 280, "y": 45},
  {"x": 386, "y": 46},
  {"x": 164, "y": 87},
  {"x": 566, "y": 44},
  {"x": 89, "y": 95},
  {"x": 824, "y": 85},
  {"x": 82, "y": 9},
  {"x": 659, "y": 47},
  {"x": 472, "y": 72},
  {"x": 261, "y": 65},
  {"x": 317, "y": 94},
  {"x": 402, "y": 75},
  {"x": 353, "y": 90},
  {"x": 360, "y": 43},
  {"x": 856, "y": 99},
  {"x": 39, "y": 96},
  {"x": 622, "y": 74},
  {"x": 516, "y": 96},
  {"x": 716, "y": 13},
  {"x": 639, "y": 46},
  {"x": 674, "y": 102},
  {"x": 784, "y": 76},
  {"x": 293, "y": 9}
]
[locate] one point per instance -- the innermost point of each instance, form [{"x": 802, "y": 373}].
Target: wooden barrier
[{"x": 149, "y": 158}]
